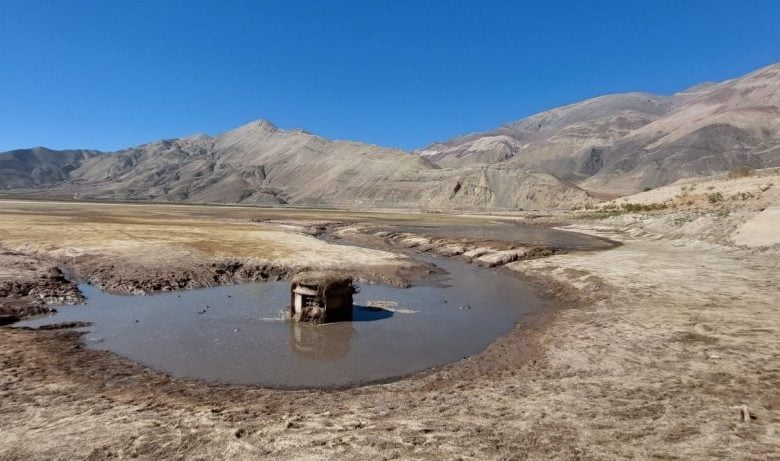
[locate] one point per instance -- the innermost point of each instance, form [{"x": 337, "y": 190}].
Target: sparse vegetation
[
  {"x": 741, "y": 172},
  {"x": 600, "y": 214},
  {"x": 637, "y": 207},
  {"x": 743, "y": 196},
  {"x": 613, "y": 209},
  {"x": 679, "y": 221},
  {"x": 715, "y": 197}
]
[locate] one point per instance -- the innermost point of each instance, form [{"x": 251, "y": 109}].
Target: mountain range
[{"x": 615, "y": 144}]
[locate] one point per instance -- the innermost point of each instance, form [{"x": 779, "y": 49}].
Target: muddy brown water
[
  {"x": 241, "y": 334},
  {"x": 518, "y": 233}
]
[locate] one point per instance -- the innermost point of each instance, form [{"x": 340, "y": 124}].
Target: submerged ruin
[{"x": 321, "y": 297}]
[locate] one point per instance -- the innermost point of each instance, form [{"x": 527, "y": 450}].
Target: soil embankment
[{"x": 29, "y": 285}]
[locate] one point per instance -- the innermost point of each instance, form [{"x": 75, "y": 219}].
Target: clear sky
[{"x": 110, "y": 74}]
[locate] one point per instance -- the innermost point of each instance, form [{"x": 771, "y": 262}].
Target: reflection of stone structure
[
  {"x": 321, "y": 297},
  {"x": 321, "y": 342}
]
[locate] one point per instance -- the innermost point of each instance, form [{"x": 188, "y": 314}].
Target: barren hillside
[
  {"x": 259, "y": 163},
  {"x": 625, "y": 143}
]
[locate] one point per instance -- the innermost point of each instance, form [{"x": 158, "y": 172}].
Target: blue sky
[{"x": 109, "y": 74}]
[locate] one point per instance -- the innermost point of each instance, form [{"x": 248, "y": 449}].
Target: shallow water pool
[{"x": 241, "y": 333}]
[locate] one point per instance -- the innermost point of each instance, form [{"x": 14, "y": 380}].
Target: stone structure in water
[{"x": 321, "y": 297}]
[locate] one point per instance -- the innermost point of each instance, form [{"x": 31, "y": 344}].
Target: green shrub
[{"x": 715, "y": 197}]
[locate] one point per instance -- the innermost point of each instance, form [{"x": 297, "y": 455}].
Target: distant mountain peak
[
  {"x": 262, "y": 124},
  {"x": 260, "y": 127}
]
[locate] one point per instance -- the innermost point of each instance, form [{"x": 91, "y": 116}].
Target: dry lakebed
[{"x": 160, "y": 331}]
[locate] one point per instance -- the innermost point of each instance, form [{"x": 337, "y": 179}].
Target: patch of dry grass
[{"x": 71, "y": 229}]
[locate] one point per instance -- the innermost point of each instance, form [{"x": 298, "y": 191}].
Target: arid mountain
[
  {"x": 39, "y": 167},
  {"x": 611, "y": 144},
  {"x": 261, "y": 164},
  {"x": 627, "y": 142}
]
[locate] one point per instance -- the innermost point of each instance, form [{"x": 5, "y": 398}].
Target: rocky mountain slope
[
  {"x": 615, "y": 144},
  {"x": 627, "y": 142},
  {"x": 39, "y": 167},
  {"x": 261, "y": 164}
]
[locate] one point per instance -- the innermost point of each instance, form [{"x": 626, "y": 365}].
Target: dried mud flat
[{"x": 658, "y": 349}]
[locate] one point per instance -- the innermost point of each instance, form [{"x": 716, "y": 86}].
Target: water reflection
[
  {"x": 331, "y": 341},
  {"x": 328, "y": 341}
]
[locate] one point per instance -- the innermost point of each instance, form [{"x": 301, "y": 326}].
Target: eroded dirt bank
[
  {"x": 29, "y": 286},
  {"x": 660, "y": 347}
]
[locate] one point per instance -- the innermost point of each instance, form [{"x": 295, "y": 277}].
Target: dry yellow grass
[{"x": 161, "y": 232}]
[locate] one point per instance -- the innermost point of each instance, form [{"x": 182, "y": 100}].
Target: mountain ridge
[
  {"x": 611, "y": 144},
  {"x": 625, "y": 142}
]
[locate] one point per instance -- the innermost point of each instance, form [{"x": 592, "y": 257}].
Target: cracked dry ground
[{"x": 683, "y": 334}]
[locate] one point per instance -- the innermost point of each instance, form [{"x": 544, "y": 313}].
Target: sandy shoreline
[{"x": 658, "y": 346}]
